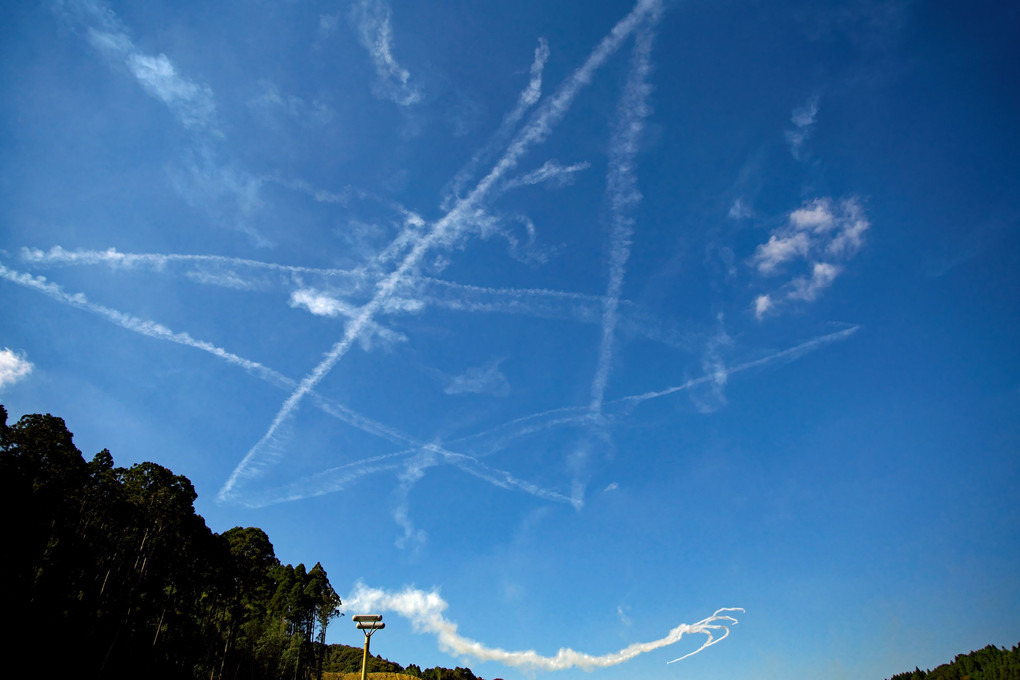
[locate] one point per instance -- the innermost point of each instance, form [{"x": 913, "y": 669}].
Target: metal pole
[{"x": 364, "y": 659}]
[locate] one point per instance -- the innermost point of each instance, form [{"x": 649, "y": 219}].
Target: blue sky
[{"x": 546, "y": 325}]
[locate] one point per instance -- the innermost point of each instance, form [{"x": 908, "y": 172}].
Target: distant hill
[{"x": 990, "y": 663}]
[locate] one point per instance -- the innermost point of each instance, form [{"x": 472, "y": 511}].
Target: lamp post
[{"x": 369, "y": 623}]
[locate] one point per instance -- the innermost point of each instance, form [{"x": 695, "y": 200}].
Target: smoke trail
[
  {"x": 448, "y": 227},
  {"x": 424, "y": 609}
]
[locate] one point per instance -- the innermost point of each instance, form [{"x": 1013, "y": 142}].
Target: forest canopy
[{"x": 113, "y": 567}]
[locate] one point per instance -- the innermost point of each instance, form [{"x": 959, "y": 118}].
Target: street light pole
[{"x": 369, "y": 623}]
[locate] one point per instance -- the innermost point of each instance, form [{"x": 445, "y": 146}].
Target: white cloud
[
  {"x": 192, "y": 104},
  {"x": 807, "y": 289},
  {"x": 486, "y": 379},
  {"x": 803, "y": 119},
  {"x": 324, "y": 304},
  {"x": 740, "y": 210},
  {"x": 821, "y": 234},
  {"x": 321, "y": 304},
  {"x": 371, "y": 19},
  {"x": 805, "y": 115},
  {"x": 712, "y": 394},
  {"x": 781, "y": 249},
  {"x": 425, "y": 610},
  {"x": 816, "y": 215},
  {"x": 13, "y": 367}
]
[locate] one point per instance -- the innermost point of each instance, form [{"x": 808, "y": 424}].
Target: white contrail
[
  {"x": 448, "y": 227},
  {"x": 500, "y": 478},
  {"x": 133, "y": 323},
  {"x": 159, "y": 262},
  {"x": 528, "y": 97},
  {"x": 424, "y": 609},
  {"x": 621, "y": 187},
  {"x": 551, "y": 171},
  {"x": 421, "y": 291},
  {"x": 790, "y": 353},
  {"x": 497, "y": 438}
]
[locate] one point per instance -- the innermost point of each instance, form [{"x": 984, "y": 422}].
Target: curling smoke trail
[{"x": 424, "y": 609}]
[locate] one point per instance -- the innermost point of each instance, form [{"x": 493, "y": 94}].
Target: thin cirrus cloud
[
  {"x": 487, "y": 379},
  {"x": 371, "y": 19},
  {"x": 803, "y": 119},
  {"x": 13, "y": 367},
  {"x": 229, "y": 194},
  {"x": 191, "y": 103},
  {"x": 425, "y": 610},
  {"x": 821, "y": 235}
]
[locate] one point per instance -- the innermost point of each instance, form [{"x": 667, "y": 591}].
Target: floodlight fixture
[{"x": 366, "y": 617}]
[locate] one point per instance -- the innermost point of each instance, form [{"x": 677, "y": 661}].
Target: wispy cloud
[
  {"x": 207, "y": 180},
  {"x": 190, "y": 102},
  {"x": 487, "y": 379},
  {"x": 740, "y": 210},
  {"x": 551, "y": 172},
  {"x": 323, "y": 304},
  {"x": 426, "y": 612},
  {"x": 270, "y": 102},
  {"x": 712, "y": 396},
  {"x": 13, "y": 367},
  {"x": 821, "y": 234},
  {"x": 803, "y": 119},
  {"x": 371, "y": 19}
]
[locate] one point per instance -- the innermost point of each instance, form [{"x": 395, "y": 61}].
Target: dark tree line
[
  {"x": 109, "y": 572},
  {"x": 990, "y": 663}
]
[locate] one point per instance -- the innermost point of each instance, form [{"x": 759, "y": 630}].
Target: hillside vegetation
[{"x": 990, "y": 663}]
